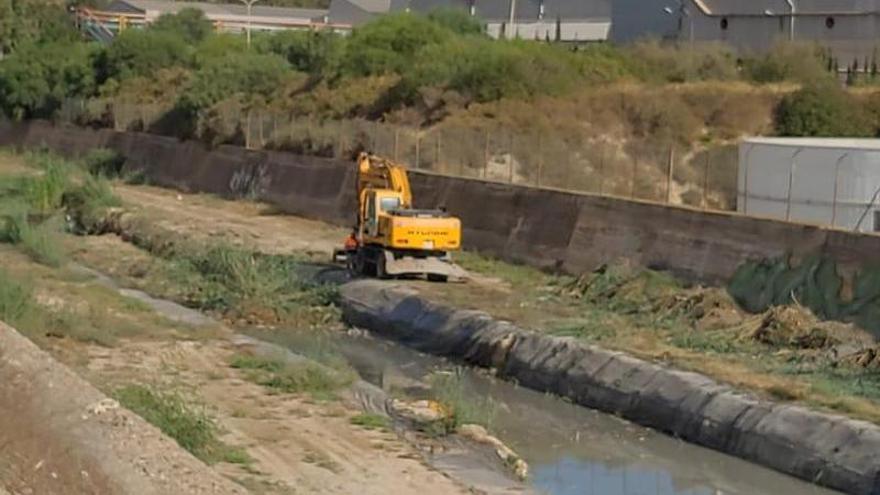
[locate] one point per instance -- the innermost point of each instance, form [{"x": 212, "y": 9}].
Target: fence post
[
  {"x": 510, "y": 160},
  {"x": 836, "y": 182},
  {"x": 669, "y": 169},
  {"x": 705, "y": 202},
  {"x": 485, "y": 168},
  {"x": 540, "y": 159},
  {"x": 396, "y": 143},
  {"x": 632, "y": 181},
  {"x": 791, "y": 172},
  {"x": 247, "y": 133},
  {"x": 418, "y": 148},
  {"x": 602, "y": 172},
  {"x": 437, "y": 152}
]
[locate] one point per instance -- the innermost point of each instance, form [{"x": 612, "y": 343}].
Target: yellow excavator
[{"x": 392, "y": 238}]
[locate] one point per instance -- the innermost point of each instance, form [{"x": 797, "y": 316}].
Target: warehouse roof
[
  {"x": 848, "y": 143},
  {"x": 781, "y": 7},
  {"x": 215, "y": 9},
  {"x": 499, "y": 10}
]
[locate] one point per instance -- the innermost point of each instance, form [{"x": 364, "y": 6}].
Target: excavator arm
[{"x": 378, "y": 173}]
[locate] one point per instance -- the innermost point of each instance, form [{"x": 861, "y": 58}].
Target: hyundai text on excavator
[{"x": 391, "y": 238}]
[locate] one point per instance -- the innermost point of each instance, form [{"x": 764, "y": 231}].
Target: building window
[
  {"x": 829, "y": 22},
  {"x": 724, "y": 23}
]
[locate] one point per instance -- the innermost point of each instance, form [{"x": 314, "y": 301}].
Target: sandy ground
[{"x": 298, "y": 445}]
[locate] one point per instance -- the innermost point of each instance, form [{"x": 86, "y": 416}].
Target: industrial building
[
  {"x": 574, "y": 21},
  {"x": 848, "y": 28},
  {"x": 232, "y": 18},
  {"x": 825, "y": 181}
]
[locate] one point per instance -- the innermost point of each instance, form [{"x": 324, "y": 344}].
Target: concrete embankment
[
  {"x": 830, "y": 450},
  {"x": 545, "y": 228},
  {"x": 61, "y": 435}
]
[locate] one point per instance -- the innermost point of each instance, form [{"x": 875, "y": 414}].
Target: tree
[
  {"x": 36, "y": 79},
  {"x": 318, "y": 53},
  {"x": 252, "y": 77},
  {"x": 389, "y": 44},
  {"x": 142, "y": 53},
  {"x": 190, "y": 24},
  {"x": 822, "y": 110},
  {"x": 33, "y": 21}
]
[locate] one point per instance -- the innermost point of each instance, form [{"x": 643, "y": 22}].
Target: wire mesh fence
[{"x": 637, "y": 169}]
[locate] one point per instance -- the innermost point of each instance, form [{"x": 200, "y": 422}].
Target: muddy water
[{"x": 571, "y": 450}]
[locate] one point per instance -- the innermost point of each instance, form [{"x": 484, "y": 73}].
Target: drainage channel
[{"x": 571, "y": 450}]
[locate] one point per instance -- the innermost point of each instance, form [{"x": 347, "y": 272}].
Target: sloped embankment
[
  {"x": 830, "y": 450},
  {"x": 66, "y": 437}
]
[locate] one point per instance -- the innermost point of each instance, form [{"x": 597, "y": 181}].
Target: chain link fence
[{"x": 636, "y": 169}]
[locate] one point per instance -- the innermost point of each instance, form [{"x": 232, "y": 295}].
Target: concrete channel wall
[
  {"x": 541, "y": 227},
  {"x": 61, "y": 435},
  {"x": 830, "y": 450}
]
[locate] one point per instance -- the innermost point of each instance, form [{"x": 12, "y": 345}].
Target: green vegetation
[
  {"x": 16, "y": 299},
  {"x": 823, "y": 110},
  {"x": 370, "y": 421},
  {"x": 403, "y": 67},
  {"x": 317, "y": 380},
  {"x": 188, "y": 424},
  {"x": 450, "y": 390},
  {"x": 33, "y": 207}
]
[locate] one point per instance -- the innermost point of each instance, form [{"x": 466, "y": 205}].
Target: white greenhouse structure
[{"x": 824, "y": 181}]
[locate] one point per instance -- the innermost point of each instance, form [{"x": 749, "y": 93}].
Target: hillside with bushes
[{"x": 427, "y": 72}]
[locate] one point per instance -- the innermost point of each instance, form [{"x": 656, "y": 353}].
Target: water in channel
[{"x": 571, "y": 450}]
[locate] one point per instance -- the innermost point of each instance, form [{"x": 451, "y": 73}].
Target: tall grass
[
  {"x": 45, "y": 192},
  {"x": 16, "y": 299},
  {"x": 42, "y": 242},
  {"x": 188, "y": 424},
  {"x": 450, "y": 389}
]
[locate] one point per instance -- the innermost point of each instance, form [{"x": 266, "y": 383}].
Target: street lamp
[
  {"x": 249, "y": 4},
  {"x": 682, "y": 13}
]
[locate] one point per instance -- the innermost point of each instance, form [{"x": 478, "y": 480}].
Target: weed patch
[
  {"x": 450, "y": 390},
  {"x": 371, "y": 421},
  {"x": 319, "y": 381},
  {"x": 16, "y": 299},
  {"x": 186, "y": 423}
]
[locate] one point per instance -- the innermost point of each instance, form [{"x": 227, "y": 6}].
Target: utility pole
[
  {"x": 249, "y": 4},
  {"x": 793, "y": 10},
  {"x": 511, "y": 22}
]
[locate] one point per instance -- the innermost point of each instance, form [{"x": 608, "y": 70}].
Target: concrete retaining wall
[
  {"x": 545, "y": 228},
  {"x": 60, "y": 435},
  {"x": 830, "y": 450}
]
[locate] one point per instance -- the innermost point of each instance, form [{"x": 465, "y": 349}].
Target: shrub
[
  {"x": 142, "y": 53},
  {"x": 256, "y": 77},
  {"x": 390, "y": 44},
  {"x": 788, "y": 62},
  {"x": 654, "y": 61},
  {"x": 44, "y": 193},
  {"x": 103, "y": 162},
  {"x": 459, "y": 21},
  {"x": 822, "y": 110},
  {"x": 36, "y": 79},
  {"x": 189, "y": 24},
  {"x": 315, "y": 52}
]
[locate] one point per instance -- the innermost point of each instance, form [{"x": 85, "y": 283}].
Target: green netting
[{"x": 814, "y": 283}]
